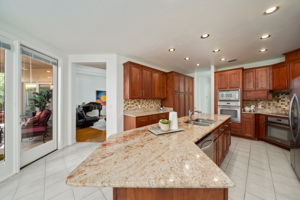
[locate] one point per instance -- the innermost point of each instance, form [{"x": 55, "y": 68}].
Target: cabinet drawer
[
  {"x": 142, "y": 121},
  {"x": 164, "y": 116}
]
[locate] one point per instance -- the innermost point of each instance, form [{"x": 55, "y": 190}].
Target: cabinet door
[
  {"x": 261, "y": 126},
  {"x": 248, "y": 125},
  {"x": 295, "y": 69},
  {"x": 136, "y": 86},
  {"x": 147, "y": 83},
  {"x": 154, "y": 118},
  {"x": 216, "y": 152},
  {"x": 176, "y": 106},
  {"x": 249, "y": 79},
  {"x": 234, "y": 79},
  {"x": 176, "y": 83},
  {"x": 181, "y": 83},
  {"x": 163, "y": 85},
  {"x": 222, "y": 80},
  {"x": 142, "y": 121},
  {"x": 181, "y": 105},
  {"x": 280, "y": 76},
  {"x": 262, "y": 78}
]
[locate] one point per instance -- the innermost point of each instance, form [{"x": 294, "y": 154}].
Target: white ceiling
[
  {"x": 145, "y": 29},
  {"x": 99, "y": 65}
]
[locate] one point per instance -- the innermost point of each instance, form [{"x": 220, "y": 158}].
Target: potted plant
[
  {"x": 41, "y": 99},
  {"x": 164, "y": 124}
]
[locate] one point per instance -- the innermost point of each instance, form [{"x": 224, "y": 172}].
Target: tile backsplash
[
  {"x": 279, "y": 103},
  {"x": 146, "y": 104}
]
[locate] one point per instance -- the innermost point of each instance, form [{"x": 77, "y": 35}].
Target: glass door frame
[{"x": 41, "y": 150}]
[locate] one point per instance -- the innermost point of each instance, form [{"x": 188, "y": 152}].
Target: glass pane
[
  {"x": 294, "y": 117},
  {"x": 233, "y": 113},
  {"x": 37, "y": 108},
  {"x": 2, "y": 106}
]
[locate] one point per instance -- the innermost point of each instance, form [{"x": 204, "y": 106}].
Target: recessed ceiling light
[
  {"x": 216, "y": 50},
  {"x": 206, "y": 35},
  {"x": 265, "y": 36},
  {"x": 223, "y": 59},
  {"x": 48, "y": 71},
  {"x": 198, "y": 65},
  {"x": 263, "y": 50},
  {"x": 171, "y": 49},
  {"x": 186, "y": 58},
  {"x": 271, "y": 10}
]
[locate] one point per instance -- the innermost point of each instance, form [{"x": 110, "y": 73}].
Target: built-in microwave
[{"x": 229, "y": 95}]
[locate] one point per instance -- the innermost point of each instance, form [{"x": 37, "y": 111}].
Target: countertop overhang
[{"x": 140, "y": 159}]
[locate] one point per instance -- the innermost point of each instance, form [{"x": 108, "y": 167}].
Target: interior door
[{"x": 38, "y": 105}]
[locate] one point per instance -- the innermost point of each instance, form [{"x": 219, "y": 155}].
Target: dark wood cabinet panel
[
  {"x": 180, "y": 93},
  {"x": 249, "y": 79},
  {"x": 295, "y": 69},
  {"x": 235, "y": 79},
  {"x": 248, "y": 125},
  {"x": 142, "y": 82},
  {"x": 260, "y": 126},
  {"x": 222, "y": 80},
  {"x": 262, "y": 78},
  {"x": 257, "y": 95},
  {"x": 280, "y": 76},
  {"x": 147, "y": 83}
]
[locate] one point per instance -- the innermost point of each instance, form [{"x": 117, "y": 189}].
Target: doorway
[
  {"x": 90, "y": 100},
  {"x": 38, "y": 105}
]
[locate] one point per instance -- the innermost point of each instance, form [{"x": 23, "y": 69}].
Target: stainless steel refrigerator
[{"x": 294, "y": 119}]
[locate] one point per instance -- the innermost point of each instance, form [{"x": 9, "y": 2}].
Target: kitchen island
[{"x": 140, "y": 165}]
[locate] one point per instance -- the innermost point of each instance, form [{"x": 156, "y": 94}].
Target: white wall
[
  {"x": 88, "y": 81},
  {"x": 203, "y": 91}
]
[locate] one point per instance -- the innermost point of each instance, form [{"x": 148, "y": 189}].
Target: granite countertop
[
  {"x": 284, "y": 115},
  {"x": 141, "y": 112},
  {"x": 140, "y": 159}
]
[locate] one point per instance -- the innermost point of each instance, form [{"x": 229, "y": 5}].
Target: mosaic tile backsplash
[
  {"x": 279, "y": 104},
  {"x": 146, "y": 104}
]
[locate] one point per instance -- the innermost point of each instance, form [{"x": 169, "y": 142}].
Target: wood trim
[{"x": 170, "y": 194}]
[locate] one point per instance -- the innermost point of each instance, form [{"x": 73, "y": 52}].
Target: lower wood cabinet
[
  {"x": 222, "y": 142},
  {"x": 248, "y": 125},
  {"x": 260, "y": 126},
  {"x": 131, "y": 122}
]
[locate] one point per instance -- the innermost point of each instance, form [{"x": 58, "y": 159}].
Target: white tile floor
[{"x": 259, "y": 170}]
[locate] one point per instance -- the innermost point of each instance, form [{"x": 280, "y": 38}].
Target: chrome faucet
[{"x": 191, "y": 112}]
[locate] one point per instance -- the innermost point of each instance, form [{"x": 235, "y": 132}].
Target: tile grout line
[
  {"x": 247, "y": 171},
  {"x": 271, "y": 172},
  {"x": 230, "y": 157}
]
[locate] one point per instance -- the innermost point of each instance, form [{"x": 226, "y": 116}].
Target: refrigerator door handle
[{"x": 294, "y": 98}]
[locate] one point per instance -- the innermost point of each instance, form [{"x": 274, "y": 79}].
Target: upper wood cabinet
[
  {"x": 249, "y": 79},
  {"x": 280, "y": 76},
  {"x": 230, "y": 79},
  {"x": 221, "y": 79},
  {"x": 141, "y": 82},
  {"x": 295, "y": 69},
  {"x": 235, "y": 79},
  {"x": 158, "y": 85},
  {"x": 262, "y": 78}
]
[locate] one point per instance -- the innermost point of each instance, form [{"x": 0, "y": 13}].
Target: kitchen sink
[{"x": 201, "y": 122}]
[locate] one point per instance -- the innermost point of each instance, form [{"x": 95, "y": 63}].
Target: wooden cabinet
[
  {"x": 131, "y": 122},
  {"x": 222, "y": 142},
  {"x": 257, "y": 83},
  {"x": 248, "y": 125},
  {"x": 158, "y": 85},
  {"x": 235, "y": 79},
  {"x": 295, "y": 69},
  {"x": 280, "y": 76},
  {"x": 221, "y": 79},
  {"x": 142, "y": 82},
  {"x": 147, "y": 81},
  {"x": 262, "y": 78},
  {"x": 249, "y": 79},
  {"x": 180, "y": 93},
  {"x": 260, "y": 126}
]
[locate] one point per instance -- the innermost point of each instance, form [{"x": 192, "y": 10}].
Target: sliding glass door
[{"x": 38, "y": 101}]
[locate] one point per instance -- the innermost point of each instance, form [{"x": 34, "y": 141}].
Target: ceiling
[
  {"x": 99, "y": 65},
  {"x": 145, "y": 30}
]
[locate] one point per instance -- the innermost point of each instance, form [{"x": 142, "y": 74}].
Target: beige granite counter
[
  {"x": 269, "y": 114},
  {"x": 142, "y": 112},
  {"x": 140, "y": 159}
]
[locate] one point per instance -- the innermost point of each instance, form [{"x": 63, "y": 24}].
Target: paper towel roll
[{"x": 174, "y": 120}]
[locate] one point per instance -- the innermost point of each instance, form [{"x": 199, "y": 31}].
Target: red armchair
[{"x": 38, "y": 127}]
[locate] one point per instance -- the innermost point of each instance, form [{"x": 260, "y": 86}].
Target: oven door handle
[{"x": 278, "y": 125}]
